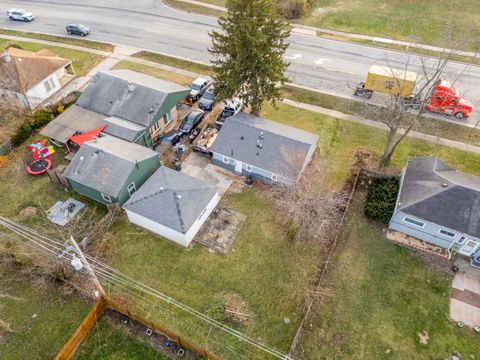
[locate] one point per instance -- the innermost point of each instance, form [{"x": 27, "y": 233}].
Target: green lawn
[
  {"x": 41, "y": 319},
  {"x": 111, "y": 341},
  {"x": 60, "y": 39},
  {"x": 83, "y": 61},
  {"x": 424, "y": 21},
  {"x": 199, "y": 9},
  {"x": 172, "y": 61},
  {"x": 376, "y": 298}
]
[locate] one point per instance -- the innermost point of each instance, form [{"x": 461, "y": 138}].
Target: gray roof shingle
[
  {"x": 105, "y": 164},
  {"x": 172, "y": 199},
  {"x": 122, "y": 129},
  {"x": 281, "y": 145},
  {"x": 128, "y": 95},
  {"x": 433, "y": 191}
]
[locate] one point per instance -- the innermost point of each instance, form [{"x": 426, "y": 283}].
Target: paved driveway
[{"x": 465, "y": 301}]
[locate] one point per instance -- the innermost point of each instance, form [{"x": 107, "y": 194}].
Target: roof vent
[
  {"x": 260, "y": 145},
  {"x": 258, "y": 153},
  {"x": 444, "y": 185},
  {"x": 241, "y": 138},
  {"x": 152, "y": 110},
  {"x": 161, "y": 189},
  {"x": 261, "y": 135},
  {"x": 81, "y": 158},
  {"x": 131, "y": 87},
  {"x": 179, "y": 196}
]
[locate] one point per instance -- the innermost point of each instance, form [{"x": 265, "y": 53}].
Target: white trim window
[
  {"x": 131, "y": 188},
  {"x": 226, "y": 159},
  {"x": 167, "y": 118},
  {"x": 49, "y": 84},
  {"x": 413, "y": 222},
  {"x": 274, "y": 177},
  {"x": 447, "y": 233},
  {"x": 106, "y": 197},
  {"x": 248, "y": 167}
]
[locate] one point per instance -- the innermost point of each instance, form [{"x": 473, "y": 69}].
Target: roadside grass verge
[
  {"x": 425, "y": 125},
  {"x": 155, "y": 72},
  {"x": 83, "y": 62},
  {"x": 60, "y": 39},
  {"x": 421, "y": 21},
  {"x": 175, "y": 62},
  {"x": 41, "y": 319},
  {"x": 375, "y": 300},
  {"x": 193, "y": 8},
  {"x": 109, "y": 340}
]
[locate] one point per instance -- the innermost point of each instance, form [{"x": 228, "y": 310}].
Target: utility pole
[{"x": 97, "y": 284}]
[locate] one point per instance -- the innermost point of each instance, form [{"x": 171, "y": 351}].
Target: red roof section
[{"x": 87, "y": 136}]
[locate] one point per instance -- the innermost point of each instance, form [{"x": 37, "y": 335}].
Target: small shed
[
  {"x": 110, "y": 170},
  {"x": 172, "y": 205}
]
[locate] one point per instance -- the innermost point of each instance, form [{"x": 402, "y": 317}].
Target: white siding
[
  {"x": 170, "y": 234},
  {"x": 38, "y": 93}
]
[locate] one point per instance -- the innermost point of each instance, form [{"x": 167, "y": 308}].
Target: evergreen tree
[{"x": 248, "y": 53}]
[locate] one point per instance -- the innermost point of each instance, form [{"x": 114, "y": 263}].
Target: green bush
[
  {"x": 292, "y": 9},
  {"x": 22, "y": 134},
  {"x": 381, "y": 199},
  {"x": 41, "y": 118}
]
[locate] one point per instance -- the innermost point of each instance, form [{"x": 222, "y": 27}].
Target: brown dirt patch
[
  {"x": 27, "y": 212},
  {"x": 236, "y": 310}
]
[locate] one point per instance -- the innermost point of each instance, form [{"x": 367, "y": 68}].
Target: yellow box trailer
[{"x": 389, "y": 81}]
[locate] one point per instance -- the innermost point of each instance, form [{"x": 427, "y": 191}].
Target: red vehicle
[{"x": 447, "y": 100}]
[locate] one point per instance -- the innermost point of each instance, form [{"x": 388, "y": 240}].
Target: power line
[{"x": 128, "y": 285}]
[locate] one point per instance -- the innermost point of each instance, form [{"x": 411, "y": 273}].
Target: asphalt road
[{"x": 328, "y": 65}]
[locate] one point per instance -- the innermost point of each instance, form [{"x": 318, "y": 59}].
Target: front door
[{"x": 238, "y": 167}]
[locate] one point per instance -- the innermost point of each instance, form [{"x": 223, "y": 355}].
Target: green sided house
[{"x": 109, "y": 170}]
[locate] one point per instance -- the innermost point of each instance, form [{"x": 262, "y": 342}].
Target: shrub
[
  {"x": 381, "y": 199},
  {"x": 22, "y": 134},
  {"x": 41, "y": 118},
  {"x": 292, "y": 9}
]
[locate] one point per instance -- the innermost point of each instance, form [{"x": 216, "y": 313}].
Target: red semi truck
[{"x": 445, "y": 98}]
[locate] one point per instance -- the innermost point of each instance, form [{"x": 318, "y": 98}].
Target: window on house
[
  {"x": 107, "y": 198},
  {"x": 49, "y": 84},
  {"x": 225, "y": 159},
  {"x": 131, "y": 189},
  {"x": 413, "y": 222},
  {"x": 167, "y": 118},
  {"x": 248, "y": 168},
  {"x": 447, "y": 233},
  {"x": 274, "y": 177}
]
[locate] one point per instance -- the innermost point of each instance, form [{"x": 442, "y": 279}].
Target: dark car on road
[
  {"x": 20, "y": 15},
  {"x": 191, "y": 121},
  {"x": 207, "y": 101},
  {"x": 77, "y": 29}
]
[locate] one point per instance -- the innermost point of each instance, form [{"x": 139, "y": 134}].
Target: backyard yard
[{"x": 380, "y": 301}]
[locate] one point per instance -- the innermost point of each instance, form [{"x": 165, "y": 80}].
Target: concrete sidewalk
[{"x": 465, "y": 297}]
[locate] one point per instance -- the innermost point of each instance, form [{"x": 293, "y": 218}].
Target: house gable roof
[
  {"x": 106, "y": 163},
  {"x": 129, "y": 95},
  {"x": 32, "y": 67},
  {"x": 433, "y": 191},
  {"x": 284, "y": 148},
  {"x": 172, "y": 199}
]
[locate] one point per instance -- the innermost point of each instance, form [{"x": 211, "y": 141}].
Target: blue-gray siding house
[
  {"x": 251, "y": 146},
  {"x": 439, "y": 205}
]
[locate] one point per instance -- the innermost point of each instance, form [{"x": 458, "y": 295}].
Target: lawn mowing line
[{"x": 324, "y": 270}]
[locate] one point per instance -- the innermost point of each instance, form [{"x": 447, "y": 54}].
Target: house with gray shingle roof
[
  {"x": 110, "y": 170},
  {"x": 136, "y": 107},
  {"x": 251, "y": 146},
  {"x": 439, "y": 205},
  {"x": 172, "y": 205}
]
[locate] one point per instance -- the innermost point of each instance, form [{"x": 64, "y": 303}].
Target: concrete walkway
[
  {"x": 465, "y": 297},
  {"x": 376, "y": 124},
  {"x": 124, "y": 53},
  {"x": 310, "y": 30}
]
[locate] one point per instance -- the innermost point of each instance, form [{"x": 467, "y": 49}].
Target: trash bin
[{"x": 178, "y": 166}]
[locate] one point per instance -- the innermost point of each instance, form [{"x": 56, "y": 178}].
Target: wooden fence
[
  {"x": 67, "y": 351},
  {"x": 97, "y": 311}
]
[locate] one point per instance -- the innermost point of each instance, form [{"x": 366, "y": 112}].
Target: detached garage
[{"x": 172, "y": 205}]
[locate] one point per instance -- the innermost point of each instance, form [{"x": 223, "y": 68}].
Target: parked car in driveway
[
  {"x": 231, "y": 108},
  {"x": 191, "y": 121},
  {"x": 77, "y": 29},
  {"x": 207, "y": 101},
  {"x": 20, "y": 15},
  {"x": 170, "y": 138},
  {"x": 198, "y": 87}
]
